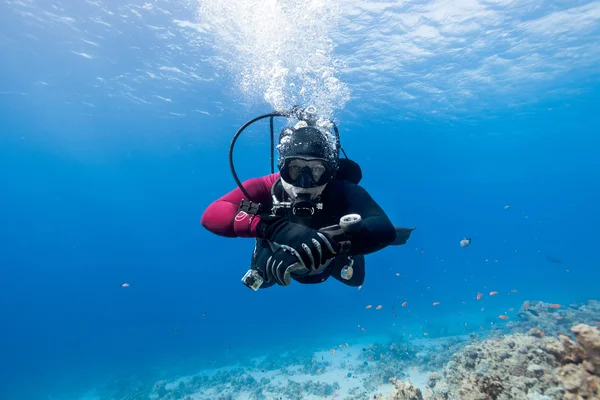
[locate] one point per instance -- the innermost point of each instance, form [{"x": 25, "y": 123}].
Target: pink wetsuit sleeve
[{"x": 220, "y": 216}]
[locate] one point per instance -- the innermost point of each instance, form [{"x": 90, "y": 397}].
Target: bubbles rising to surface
[{"x": 279, "y": 50}]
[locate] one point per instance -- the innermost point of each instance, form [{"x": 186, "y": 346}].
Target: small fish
[
  {"x": 124, "y": 285},
  {"x": 436, "y": 303},
  {"x": 555, "y": 306},
  {"x": 425, "y": 334},
  {"x": 533, "y": 312},
  {"x": 506, "y": 207},
  {"x": 379, "y": 307},
  {"x": 514, "y": 291},
  {"x": 465, "y": 242},
  {"x": 360, "y": 287},
  {"x": 332, "y": 351},
  {"x": 319, "y": 371},
  {"x": 479, "y": 295},
  {"x": 503, "y": 316},
  {"x": 397, "y": 273},
  {"x": 369, "y": 306},
  {"x": 553, "y": 260},
  {"x": 493, "y": 293},
  {"x": 404, "y": 304},
  {"x": 511, "y": 309}
]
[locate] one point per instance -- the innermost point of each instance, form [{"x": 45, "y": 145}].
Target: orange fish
[
  {"x": 479, "y": 296},
  {"x": 503, "y": 316},
  {"x": 404, "y": 304},
  {"x": 379, "y": 307},
  {"x": 332, "y": 351},
  {"x": 493, "y": 293},
  {"x": 369, "y": 306},
  {"x": 436, "y": 303},
  {"x": 554, "y": 305}
]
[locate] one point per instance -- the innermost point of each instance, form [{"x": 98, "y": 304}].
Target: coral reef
[
  {"x": 579, "y": 370},
  {"x": 402, "y": 391},
  {"x": 554, "y": 321},
  {"x": 297, "y": 391},
  {"x": 506, "y": 368},
  {"x": 549, "y": 352},
  {"x": 517, "y": 366}
]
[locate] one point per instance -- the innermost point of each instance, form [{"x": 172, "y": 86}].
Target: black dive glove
[
  {"x": 314, "y": 248},
  {"x": 281, "y": 265}
]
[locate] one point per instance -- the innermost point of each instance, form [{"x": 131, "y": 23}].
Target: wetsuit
[{"x": 339, "y": 198}]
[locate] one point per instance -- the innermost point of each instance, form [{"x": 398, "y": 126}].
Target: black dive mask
[{"x": 306, "y": 173}]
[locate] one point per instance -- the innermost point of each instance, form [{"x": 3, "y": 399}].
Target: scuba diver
[{"x": 311, "y": 220}]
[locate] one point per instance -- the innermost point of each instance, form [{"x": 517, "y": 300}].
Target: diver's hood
[{"x": 294, "y": 191}]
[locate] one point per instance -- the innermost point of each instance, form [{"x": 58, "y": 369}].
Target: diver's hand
[
  {"x": 314, "y": 248},
  {"x": 281, "y": 265}
]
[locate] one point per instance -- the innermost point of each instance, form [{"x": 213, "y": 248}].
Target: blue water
[{"x": 92, "y": 197}]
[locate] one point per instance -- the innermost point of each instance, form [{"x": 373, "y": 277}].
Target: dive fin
[{"x": 402, "y": 235}]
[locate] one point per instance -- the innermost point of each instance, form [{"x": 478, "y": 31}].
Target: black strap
[{"x": 250, "y": 208}]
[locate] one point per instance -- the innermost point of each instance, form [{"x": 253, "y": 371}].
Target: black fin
[{"x": 402, "y": 235}]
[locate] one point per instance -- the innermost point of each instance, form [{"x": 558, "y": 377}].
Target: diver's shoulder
[{"x": 345, "y": 186}]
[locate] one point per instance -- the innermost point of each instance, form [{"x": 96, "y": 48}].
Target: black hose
[
  {"x": 272, "y": 147},
  {"x": 235, "y": 138}
]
